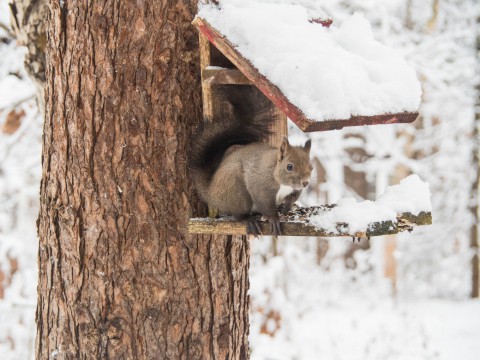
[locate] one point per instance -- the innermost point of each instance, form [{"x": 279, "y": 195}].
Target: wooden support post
[{"x": 206, "y": 86}]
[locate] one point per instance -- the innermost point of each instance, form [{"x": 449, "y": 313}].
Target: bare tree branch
[{"x": 7, "y": 29}]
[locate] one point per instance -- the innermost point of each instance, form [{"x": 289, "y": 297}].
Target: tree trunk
[
  {"x": 119, "y": 276},
  {"x": 475, "y": 231}
]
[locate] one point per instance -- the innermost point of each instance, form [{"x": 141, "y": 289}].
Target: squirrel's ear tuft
[
  {"x": 283, "y": 149},
  {"x": 308, "y": 146}
]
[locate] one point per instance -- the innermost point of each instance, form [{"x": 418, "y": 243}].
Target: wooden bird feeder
[
  {"x": 224, "y": 68},
  {"x": 229, "y": 67}
]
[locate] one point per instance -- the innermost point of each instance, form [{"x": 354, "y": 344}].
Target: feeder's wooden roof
[{"x": 253, "y": 76}]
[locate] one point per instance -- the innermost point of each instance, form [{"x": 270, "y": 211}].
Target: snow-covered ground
[
  {"x": 313, "y": 300},
  {"x": 302, "y": 310}
]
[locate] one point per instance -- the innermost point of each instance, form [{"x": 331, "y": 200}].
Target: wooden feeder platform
[
  {"x": 226, "y": 71},
  {"x": 245, "y": 73},
  {"x": 296, "y": 223}
]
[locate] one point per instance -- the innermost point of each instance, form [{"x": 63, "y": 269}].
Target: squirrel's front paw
[{"x": 285, "y": 208}]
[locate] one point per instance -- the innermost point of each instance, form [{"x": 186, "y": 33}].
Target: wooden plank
[
  {"x": 214, "y": 76},
  {"x": 280, "y": 100},
  {"x": 279, "y": 127},
  {"x": 205, "y": 60},
  {"x": 226, "y": 225}
]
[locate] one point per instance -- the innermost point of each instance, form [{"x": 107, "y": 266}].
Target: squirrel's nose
[{"x": 305, "y": 183}]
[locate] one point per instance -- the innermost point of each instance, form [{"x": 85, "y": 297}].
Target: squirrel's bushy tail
[{"x": 248, "y": 121}]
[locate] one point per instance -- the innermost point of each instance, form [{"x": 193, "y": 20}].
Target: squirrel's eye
[{"x": 290, "y": 167}]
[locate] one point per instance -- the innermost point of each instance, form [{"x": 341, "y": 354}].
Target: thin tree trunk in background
[
  {"x": 28, "y": 24},
  {"x": 119, "y": 277},
  {"x": 432, "y": 22},
  {"x": 474, "y": 242},
  {"x": 408, "y": 15},
  {"x": 355, "y": 181}
]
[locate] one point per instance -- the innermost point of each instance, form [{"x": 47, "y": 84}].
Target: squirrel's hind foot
[
  {"x": 253, "y": 227},
  {"x": 275, "y": 227},
  {"x": 252, "y": 224}
]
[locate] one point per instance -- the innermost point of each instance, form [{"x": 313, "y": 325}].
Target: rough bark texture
[
  {"x": 28, "y": 24},
  {"x": 119, "y": 277}
]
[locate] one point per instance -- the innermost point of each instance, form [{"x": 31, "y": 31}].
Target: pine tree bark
[{"x": 119, "y": 276}]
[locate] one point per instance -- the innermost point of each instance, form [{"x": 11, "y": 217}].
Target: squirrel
[{"x": 237, "y": 173}]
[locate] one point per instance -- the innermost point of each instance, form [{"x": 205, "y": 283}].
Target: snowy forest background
[{"x": 403, "y": 297}]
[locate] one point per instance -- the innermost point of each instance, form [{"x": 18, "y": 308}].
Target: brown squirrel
[{"x": 235, "y": 172}]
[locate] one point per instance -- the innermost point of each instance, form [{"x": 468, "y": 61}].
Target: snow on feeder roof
[{"x": 321, "y": 76}]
